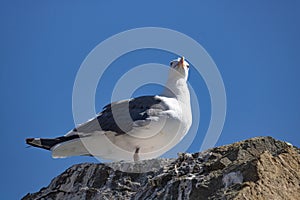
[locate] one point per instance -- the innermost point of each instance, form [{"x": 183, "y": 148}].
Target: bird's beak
[{"x": 181, "y": 61}]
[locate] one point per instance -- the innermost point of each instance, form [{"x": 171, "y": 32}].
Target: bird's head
[{"x": 181, "y": 66}]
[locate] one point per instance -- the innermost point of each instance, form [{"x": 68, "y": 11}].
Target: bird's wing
[{"x": 122, "y": 116}]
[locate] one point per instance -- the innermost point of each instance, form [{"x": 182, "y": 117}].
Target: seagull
[{"x": 133, "y": 129}]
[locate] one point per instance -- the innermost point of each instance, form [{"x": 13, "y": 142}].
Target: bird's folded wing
[{"x": 122, "y": 116}]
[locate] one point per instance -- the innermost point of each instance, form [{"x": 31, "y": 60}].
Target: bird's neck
[{"x": 176, "y": 87}]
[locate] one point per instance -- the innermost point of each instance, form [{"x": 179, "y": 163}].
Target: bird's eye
[
  {"x": 171, "y": 63},
  {"x": 187, "y": 66}
]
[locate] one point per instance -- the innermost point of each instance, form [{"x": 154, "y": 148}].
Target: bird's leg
[{"x": 136, "y": 154}]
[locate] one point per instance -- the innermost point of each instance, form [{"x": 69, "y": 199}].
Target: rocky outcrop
[{"x": 258, "y": 168}]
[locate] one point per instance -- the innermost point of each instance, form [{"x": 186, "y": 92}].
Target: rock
[{"x": 257, "y": 168}]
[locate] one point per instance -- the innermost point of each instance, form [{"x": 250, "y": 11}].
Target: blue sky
[{"x": 43, "y": 43}]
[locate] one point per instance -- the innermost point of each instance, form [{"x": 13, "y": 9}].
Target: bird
[{"x": 134, "y": 129}]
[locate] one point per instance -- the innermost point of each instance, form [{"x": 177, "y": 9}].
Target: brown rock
[{"x": 257, "y": 168}]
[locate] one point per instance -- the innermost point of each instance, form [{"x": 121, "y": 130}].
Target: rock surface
[{"x": 257, "y": 168}]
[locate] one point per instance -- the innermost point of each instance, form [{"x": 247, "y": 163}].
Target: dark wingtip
[{"x": 29, "y": 140}]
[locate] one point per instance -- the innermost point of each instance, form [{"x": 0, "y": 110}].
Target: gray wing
[{"x": 120, "y": 117}]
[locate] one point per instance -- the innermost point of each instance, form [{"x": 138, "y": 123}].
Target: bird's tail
[{"x": 46, "y": 143}]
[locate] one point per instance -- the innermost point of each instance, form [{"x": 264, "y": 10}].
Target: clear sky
[{"x": 255, "y": 45}]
